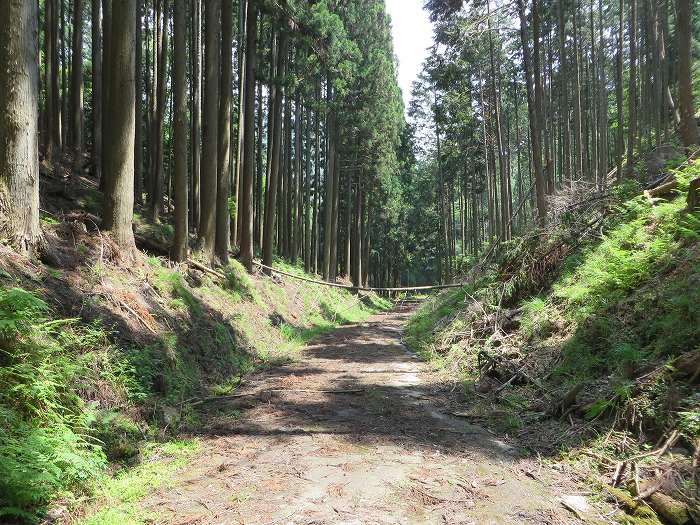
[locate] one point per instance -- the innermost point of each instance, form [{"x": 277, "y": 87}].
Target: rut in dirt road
[{"x": 353, "y": 432}]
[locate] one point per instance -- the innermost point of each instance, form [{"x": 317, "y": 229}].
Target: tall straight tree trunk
[
  {"x": 632, "y": 89},
  {"x": 223, "y": 218},
  {"x": 52, "y": 66},
  {"x": 96, "y": 10},
  {"x": 196, "y": 108},
  {"x": 564, "y": 90},
  {"x": 106, "y": 28},
  {"x": 119, "y": 144},
  {"x": 602, "y": 103},
  {"x": 153, "y": 98},
  {"x": 335, "y": 209},
  {"x": 502, "y": 167},
  {"x": 238, "y": 171},
  {"x": 330, "y": 180},
  {"x": 249, "y": 136},
  {"x": 180, "y": 134},
  {"x": 579, "y": 151},
  {"x": 299, "y": 180},
  {"x": 689, "y": 127},
  {"x": 159, "y": 174},
  {"x": 356, "y": 256},
  {"x": 273, "y": 170},
  {"x": 317, "y": 180},
  {"x": 620, "y": 139},
  {"x": 48, "y": 60},
  {"x": 532, "y": 105},
  {"x": 348, "y": 222},
  {"x": 19, "y": 147},
  {"x": 207, "y": 226},
  {"x": 258, "y": 190},
  {"x": 670, "y": 106},
  {"x": 76, "y": 87},
  {"x": 307, "y": 192},
  {"x": 65, "y": 140},
  {"x": 138, "y": 118}
]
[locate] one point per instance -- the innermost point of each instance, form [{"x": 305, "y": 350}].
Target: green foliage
[
  {"x": 232, "y": 207},
  {"x": 44, "y": 425},
  {"x": 620, "y": 305},
  {"x": 536, "y": 320},
  {"x": 239, "y": 282},
  {"x": 119, "y": 495}
]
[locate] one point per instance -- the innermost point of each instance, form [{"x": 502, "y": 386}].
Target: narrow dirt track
[{"x": 380, "y": 449}]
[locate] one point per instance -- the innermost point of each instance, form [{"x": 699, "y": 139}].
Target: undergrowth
[{"x": 614, "y": 319}]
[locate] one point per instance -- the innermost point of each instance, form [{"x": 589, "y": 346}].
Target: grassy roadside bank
[{"x": 583, "y": 344}]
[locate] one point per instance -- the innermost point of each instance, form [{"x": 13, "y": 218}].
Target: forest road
[{"x": 356, "y": 431}]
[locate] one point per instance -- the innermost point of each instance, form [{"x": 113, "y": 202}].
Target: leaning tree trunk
[
  {"x": 19, "y": 103},
  {"x": 689, "y": 127},
  {"x": 180, "y": 132},
  {"x": 249, "y": 138},
  {"x": 119, "y": 143}
]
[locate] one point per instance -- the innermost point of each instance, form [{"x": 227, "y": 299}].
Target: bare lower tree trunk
[
  {"x": 564, "y": 109},
  {"x": 76, "y": 89},
  {"x": 196, "y": 108},
  {"x": 180, "y": 134},
  {"x": 273, "y": 171},
  {"x": 119, "y": 143},
  {"x": 532, "y": 105},
  {"x": 328, "y": 200},
  {"x": 224, "y": 142},
  {"x": 317, "y": 180},
  {"x": 159, "y": 175},
  {"x": 138, "y": 118},
  {"x": 632, "y": 91},
  {"x": 620, "y": 139},
  {"x": 106, "y": 28},
  {"x": 689, "y": 127},
  {"x": 96, "y": 88},
  {"x": 53, "y": 125},
  {"x": 249, "y": 137},
  {"x": 356, "y": 256},
  {"x": 207, "y": 226},
  {"x": 64, "y": 41},
  {"x": 19, "y": 103},
  {"x": 238, "y": 168}
]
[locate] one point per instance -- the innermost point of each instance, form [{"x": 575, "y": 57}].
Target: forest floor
[{"x": 357, "y": 430}]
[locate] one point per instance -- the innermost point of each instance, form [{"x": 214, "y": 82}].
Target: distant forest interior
[
  {"x": 263, "y": 128},
  {"x": 228, "y": 238}
]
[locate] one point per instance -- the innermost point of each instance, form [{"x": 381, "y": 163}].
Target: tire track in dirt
[{"x": 377, "y": 449}]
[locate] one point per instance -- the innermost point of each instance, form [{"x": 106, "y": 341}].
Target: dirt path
[{"x": 378, "y": 450}]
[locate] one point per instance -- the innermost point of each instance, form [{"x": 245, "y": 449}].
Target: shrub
[{"x": 44, "y": 443}]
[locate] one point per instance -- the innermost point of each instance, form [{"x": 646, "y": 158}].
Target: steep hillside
[
  {"x": 582, "y": 342},
  {"x": 102, "y": 366}
]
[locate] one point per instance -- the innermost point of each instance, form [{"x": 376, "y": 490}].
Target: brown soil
[{"x": 377, "y": 446}]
